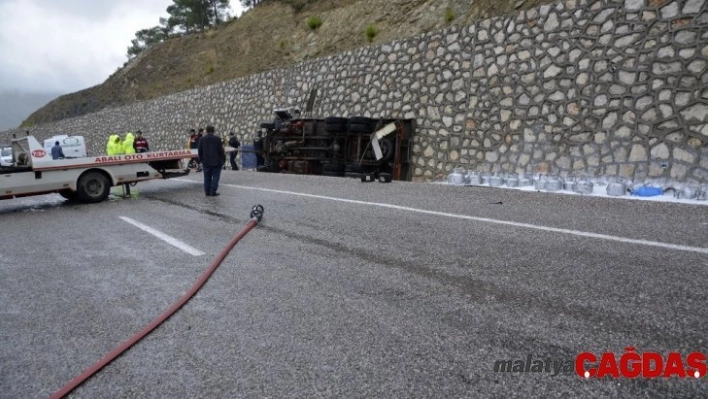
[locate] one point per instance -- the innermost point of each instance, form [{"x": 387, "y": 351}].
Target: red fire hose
[{"x": 256, "y": 216}]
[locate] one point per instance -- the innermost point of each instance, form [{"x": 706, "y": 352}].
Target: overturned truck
[{"x": 335, "y": 146}]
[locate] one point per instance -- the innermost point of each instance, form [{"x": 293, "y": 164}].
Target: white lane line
[
  {"x": 164, "y": 237},
  {"x": 479, "y": 219}
]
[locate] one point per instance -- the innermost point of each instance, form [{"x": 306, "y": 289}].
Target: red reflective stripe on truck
[{"x": 99, "y": 161}]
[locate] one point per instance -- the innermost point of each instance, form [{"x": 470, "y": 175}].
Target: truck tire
[
  {"x": 387, "y": 149},
  {"x": 334, "y": 124},
  {"x": 93, "y": 186},
  {"x": 360, "y": 128},
  {"x": 335, "y": 120},
  {"x": 361, "y": 120},
  {"x": 268, "y": 125},
  {"x": 335, "y": 127}
]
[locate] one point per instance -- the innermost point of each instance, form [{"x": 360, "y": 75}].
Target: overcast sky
[{"x": 68, "y": 45}]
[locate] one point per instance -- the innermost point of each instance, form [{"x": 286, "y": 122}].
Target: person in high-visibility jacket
[
  {"x": 117, "y": 146},
  {"x": 114, "y": 146},
  {"x": 109, "y": 144},
  {"x": 128, "y": 144}
]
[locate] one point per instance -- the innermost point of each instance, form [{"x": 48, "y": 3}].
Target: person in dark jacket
[
  {"x": 57, "y": 152},
  {"x": 235, "y": 144},
  {"x": 193, "y": 144},
  {"x": 140, "y": 144},
  {"x": 212, "y": 156},
  {"x": 258, "y": 149}
]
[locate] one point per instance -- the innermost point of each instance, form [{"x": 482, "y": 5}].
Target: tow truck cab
[{"x": 5, "y": 156}]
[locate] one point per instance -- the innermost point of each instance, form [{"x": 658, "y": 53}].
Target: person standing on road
[
  {"x": 140, "y": 144},
  {"x": 193, "y": 144},
  {"x": 110, "y": 146},
  {"x": 212, "y": 156},
  {"x": 117, "y": 146},
  {"x": 234, "y": 144},
  {"x": 128, "y": 143},
  {"x": 258, "y": 149},
  {"x": 57, "y": 152},
  {"x": 200, "y": 134}
]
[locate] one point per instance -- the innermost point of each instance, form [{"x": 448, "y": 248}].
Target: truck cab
[{"x": 5, "y": 156}]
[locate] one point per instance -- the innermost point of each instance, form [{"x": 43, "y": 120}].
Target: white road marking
[
  {"x": 480, "y": 219},
  {"x": 164, "y": 237}
]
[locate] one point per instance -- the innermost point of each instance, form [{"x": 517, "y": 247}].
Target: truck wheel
[
  {"x": 335, "y": 124},
  {"x": 361, "y": 120},
  {"x": 359, "y": 128},
  {"x": 387, "y": 149},
  {"x": 93, "y": 187},
  {"x": 335, "y": 120}
]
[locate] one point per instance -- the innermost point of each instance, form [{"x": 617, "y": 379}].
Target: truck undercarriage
[{"x": 336, "y": 146}]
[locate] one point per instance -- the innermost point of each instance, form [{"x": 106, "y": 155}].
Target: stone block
[
  {"x": 675, "y": 137},
  {"x": 627, "y": 171},
  {"x": 551, "y": 23},
  {"x": 697, "y": 66},
  {"x": 684, "y": 156},
  {"x": 656, "y": 169},
  {"x": 552, "y": 71},
  {"x": 695, "y": 113},
  {"x": 634, "y": 5},
  {"x": 644, "y": 102},
  {"x": 686, "y": 37},
  {"x": 638, "y": 153},
  {"x": 678, "y": 171},
  {"x": 563, "y": 162},
  {"x": 610, "y": 120},
  {"x": 620, "y": 154},
  {"x": 660, "y": 151},
  {"x": 694, "y": 142},
  {"x": 693, "y": 6},
  {"x": 626, "y": 40}
]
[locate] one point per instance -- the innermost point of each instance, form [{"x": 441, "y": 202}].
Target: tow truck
[{"x": 88, "y": 179}]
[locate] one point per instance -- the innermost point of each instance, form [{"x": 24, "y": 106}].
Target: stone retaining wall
[{"x": 606, "y": 87}]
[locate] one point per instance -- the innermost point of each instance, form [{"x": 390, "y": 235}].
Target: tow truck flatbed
[{"x": 87, "y": 179}]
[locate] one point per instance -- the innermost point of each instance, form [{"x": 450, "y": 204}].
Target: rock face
[{"x": 598, "y": 87}]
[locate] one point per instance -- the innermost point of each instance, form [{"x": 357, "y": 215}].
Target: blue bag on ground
[
  {"x": 648, "y": 191},
  {"x": 248, "y": 157}
]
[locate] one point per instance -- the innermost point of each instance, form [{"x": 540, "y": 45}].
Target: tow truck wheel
[{"x": 93, "y": 187}]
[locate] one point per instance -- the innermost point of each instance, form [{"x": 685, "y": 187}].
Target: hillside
[{"x": 271, "y": 35}]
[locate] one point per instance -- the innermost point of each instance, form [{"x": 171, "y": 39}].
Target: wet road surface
[{"x": 347, "y": 290}]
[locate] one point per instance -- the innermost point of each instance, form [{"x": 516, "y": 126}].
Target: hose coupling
[{"x": 257, "y": 212}]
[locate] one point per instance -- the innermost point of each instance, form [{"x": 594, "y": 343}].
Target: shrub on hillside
[
  {"x": 449, "y": 15},
  {"x": 371, "y": 32},
  {"x": 314, "y": 22}
]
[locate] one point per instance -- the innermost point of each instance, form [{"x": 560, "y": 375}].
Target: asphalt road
[{"x": 347, "y": 290}]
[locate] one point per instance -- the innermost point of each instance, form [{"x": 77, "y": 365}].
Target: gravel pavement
[{"x": 348, "y": 290}]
